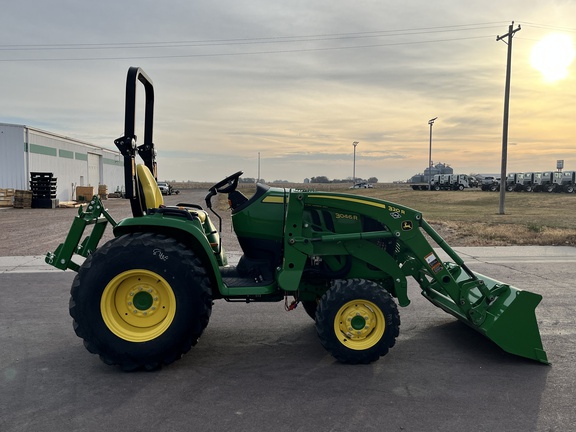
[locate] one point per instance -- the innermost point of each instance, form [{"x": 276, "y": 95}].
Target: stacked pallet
[
  {"x": 23, "y": 199},
  {"x": 43, "y": 186},
  {"x": 6, "y": 197},
  {"x": 103, "y": 192},
  {"x": 84, "y": 193}
]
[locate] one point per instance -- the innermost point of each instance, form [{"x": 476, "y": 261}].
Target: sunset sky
[{"x": 299, "y": 81}]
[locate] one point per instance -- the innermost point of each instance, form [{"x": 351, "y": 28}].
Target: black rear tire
[
  {"x": 357, "y": 321},
  {"x": 140, "y": 301},
  {"x": 310, "y": 306}
]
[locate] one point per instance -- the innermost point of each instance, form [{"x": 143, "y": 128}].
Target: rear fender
[{"x": 188, "y": 231}]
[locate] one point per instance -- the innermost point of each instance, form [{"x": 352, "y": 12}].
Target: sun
[{"x": 552, "y": 55}]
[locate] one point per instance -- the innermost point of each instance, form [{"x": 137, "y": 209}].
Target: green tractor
[{"x": 143, "y": 299}]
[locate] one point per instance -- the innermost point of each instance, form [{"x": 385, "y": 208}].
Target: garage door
[{"x": 93, "y": 169}]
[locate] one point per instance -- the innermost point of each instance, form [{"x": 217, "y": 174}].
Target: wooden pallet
[
  {"x": 6, "y": 197},
  {"x": 69, "y": 204},
  {"x": 22, "y": 199}
]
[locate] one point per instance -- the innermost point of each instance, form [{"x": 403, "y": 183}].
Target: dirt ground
[{"x": 31, "y": 232}]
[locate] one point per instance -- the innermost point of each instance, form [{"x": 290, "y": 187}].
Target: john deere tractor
[{"x": 143, "y": 299}]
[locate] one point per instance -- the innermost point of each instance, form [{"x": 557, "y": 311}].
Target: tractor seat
[
  {"x": 150, "y": 201},
  {"x": 150, "y": 196},
  {"x": 147, "y": 191}
]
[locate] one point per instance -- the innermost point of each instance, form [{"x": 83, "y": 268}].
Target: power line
[
  {"x": 285, "y": 51},
  {"x": 248, "y": 41},
  {"x": 548, "y": 27}
]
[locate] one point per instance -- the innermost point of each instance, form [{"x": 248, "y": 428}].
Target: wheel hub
[
  {"x": 138, "y": 305},
  {"x": 142, "y": 300},
  {"x": 359, "y": 324}
]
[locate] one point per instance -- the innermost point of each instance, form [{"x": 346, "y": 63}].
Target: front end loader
[{"x": 143, "y": 299}]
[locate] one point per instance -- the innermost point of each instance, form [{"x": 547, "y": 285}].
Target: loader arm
[
  {"x": 503, "y": 313},
  {"x": 95, "y": 215}
]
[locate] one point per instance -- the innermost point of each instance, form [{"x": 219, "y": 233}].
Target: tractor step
[{"x": 233, "y": 279}]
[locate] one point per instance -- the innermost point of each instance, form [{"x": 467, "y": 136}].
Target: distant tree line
[
  {"x": 324, "y": 179},
  {"x": 251, "y": 180},
  {"x": 319, "y": 179}
]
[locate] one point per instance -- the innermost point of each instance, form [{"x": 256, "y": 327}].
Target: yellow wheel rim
[
  {"x": 359, "y": 324},
  {"x": 138, "y": 305}
]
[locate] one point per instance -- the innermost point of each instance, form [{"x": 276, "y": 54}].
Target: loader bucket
[{"x": 509, "y": 321}]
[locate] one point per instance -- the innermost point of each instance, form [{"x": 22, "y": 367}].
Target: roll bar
[{"x": 127, "y": 143}]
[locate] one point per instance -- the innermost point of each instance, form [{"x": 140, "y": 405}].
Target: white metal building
[{"x": 74, "y": 163}]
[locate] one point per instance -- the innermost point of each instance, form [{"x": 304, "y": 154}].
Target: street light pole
[
  {"x": 258, "y": 179},
  {"x": 355, "y": 143},
  {"x": 430, "y": 122}
]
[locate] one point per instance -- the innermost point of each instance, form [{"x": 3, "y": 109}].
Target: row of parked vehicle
[
  {"x": 448, "y": 182},
  {"x": 547, "y": 181}
]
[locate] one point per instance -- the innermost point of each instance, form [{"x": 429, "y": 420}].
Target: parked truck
[
  {"x": 529, "y": 180},
  {"x": 514, "y": 182},
  {"x": 450, "y": 182},
  {"x": 461, "y": 181},
  {"x": 565, "y": 181},
  {"x": 545, "y": 182},
  {"x": 490, "y": 183}
]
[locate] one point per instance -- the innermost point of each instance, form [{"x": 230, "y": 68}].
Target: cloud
[{"x": 297, "y": 82}]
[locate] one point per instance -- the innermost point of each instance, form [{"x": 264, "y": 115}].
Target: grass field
[{"x": 471, "y": 217}]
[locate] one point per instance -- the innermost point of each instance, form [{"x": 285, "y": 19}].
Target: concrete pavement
[
  {"x": 486, "y": 255},
  {"x": 260, "y": 368}
]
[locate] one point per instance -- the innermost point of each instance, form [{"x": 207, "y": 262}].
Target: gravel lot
[
  {"x": 29, "y": 232},
  {"x": 32, "y": 232}
]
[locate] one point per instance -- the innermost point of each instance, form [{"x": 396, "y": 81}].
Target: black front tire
[
  {"x": 357, "y": 321},
  {"x": 140, "y": 301}
]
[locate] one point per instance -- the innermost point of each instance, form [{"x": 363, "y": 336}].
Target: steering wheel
[
  {"x": 227, "y": 185},
  {"x": 231, "y": 180}
]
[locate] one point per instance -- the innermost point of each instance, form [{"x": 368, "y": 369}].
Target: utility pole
[
  {"x": 508, "y": 35},
  {"x": 431, "y": 123},
  {"x": 355, "y": 143}
]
